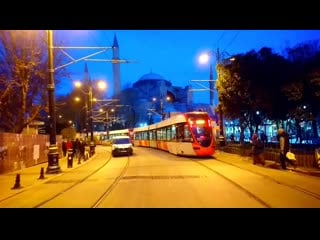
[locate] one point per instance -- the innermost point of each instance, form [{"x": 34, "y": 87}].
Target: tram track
[
  {"x": 245, "y": 190},
  {"x": 112, "y": 186},
  {"x": 297, "y": 188},
  {"x": 75, "y": 184},
  {"x": 250, "y": 193},
  {"x": 78, "y": 182}
]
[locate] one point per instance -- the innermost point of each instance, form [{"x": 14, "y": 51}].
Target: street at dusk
[
  {"x": 159, "y": 118},
  {"x": 160, "y": 180}
]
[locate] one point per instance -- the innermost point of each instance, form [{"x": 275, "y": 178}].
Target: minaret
[
  {"x": 116, "y": 67},
  {"x": 86, "y": 74}
]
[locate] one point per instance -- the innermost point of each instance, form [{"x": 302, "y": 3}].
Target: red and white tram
[{"x": 186, "y": 134}]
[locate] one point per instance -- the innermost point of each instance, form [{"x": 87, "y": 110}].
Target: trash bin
[{"x": 70, "y": 158}]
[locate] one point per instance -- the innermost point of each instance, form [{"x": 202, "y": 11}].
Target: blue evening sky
[{"x": 172, "y": 54}]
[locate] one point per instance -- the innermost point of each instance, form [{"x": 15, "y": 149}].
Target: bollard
[
  {"x": 70, "y": 158},
  {"x": 41, "y": 174},
  {"x": 17, "y": 182}
]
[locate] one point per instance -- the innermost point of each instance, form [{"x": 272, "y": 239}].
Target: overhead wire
[
  {"x": 232, "y": 40},
  {"x": 221, "y": 36}
]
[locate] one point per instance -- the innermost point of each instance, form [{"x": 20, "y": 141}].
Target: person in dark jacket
[
  {"x": 257, "y": 150},
  {"x": 64, "y": 147},
  {"x": 284, "y": 147},
  {"x": 82, "y": 149}
]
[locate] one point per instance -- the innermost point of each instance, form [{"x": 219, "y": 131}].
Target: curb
[
  {"x": 311, "y": 173},
  {"x": 315, "y": 173},
  {"x": 276, "y": 165}
]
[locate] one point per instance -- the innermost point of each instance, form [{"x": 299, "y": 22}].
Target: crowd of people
[{"x": 75, "y": 147}]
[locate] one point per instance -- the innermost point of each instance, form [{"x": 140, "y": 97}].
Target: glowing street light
[
  {"x": 203, "y": 59},
  {"x": 101, "y": 85}
]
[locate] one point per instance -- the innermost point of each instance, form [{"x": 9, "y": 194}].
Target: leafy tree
[
  {"x": 273, "y": 73},
  {"x": 68, "y": 133},
  {"x": 304, "y": 90},
  {"x": 250, "y": 88}
]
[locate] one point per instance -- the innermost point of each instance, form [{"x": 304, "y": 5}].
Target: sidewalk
[
  {"x": 10, "y": 183},
  {"x": 233, "y": 158}
]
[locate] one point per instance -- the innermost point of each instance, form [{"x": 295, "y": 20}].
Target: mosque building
[{"x": 152, "y": 97}]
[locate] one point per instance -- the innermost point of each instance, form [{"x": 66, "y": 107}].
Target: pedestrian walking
[
  {"x": 257, "y": 150},
  {"x": 64, "y": 147},
  {"x": 284, "y": 146}
]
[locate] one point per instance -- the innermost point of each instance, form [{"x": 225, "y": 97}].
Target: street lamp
[
  {"x": 107, "y": 122},
  {"x": 204, "y": 58},
  {"x": 82, "y": 122},
  {"x": 92, "y": 144},
  {"x": 162, "y": 113},
  {"x": 101, "y": 85},
  {"x": 53, "y": 154}
]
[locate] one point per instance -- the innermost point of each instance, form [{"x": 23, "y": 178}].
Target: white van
[{"x": 121, "y": 145}]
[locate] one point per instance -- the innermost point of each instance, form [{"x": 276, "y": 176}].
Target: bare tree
[{"x": 23, "y": 77}]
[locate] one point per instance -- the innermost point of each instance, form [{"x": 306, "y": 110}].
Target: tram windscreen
[{"x": 201, "y": 129}]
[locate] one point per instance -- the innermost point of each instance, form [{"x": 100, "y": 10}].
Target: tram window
[
  {"x": 168, "y": 137},
  {"x": 173, "y": 133},
  {"x": 151, "y": 135},
  {"x": 197, "y": 131},
  {"x": 154, "y": 133},
  {"x": 160, "y": 134},
  {"x": 180, "y": 132},
  {"x": 187, "y": 134},
  {"x": 137, "y": 136},
  {"x": 207, "y": 132},
  {"x": 145, "y": 135}
]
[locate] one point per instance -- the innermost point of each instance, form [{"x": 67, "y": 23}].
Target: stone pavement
[{"x": 11, "y": 183}]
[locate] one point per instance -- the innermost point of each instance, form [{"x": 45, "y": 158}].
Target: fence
[
  {"x": 18, "y": 151},
  {"x": 305, "y": 158}
]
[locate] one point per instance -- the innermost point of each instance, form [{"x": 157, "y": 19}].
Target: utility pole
[
  {"x": 107, "y": 124},
  {"x": 53, "y": 154},
  {"x": 92, "y": 142},
  {"x": 211, "y": 86},
  {"x": 221, "y": 138}
]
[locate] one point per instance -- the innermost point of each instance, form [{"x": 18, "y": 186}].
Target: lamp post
[
  {"x": 53, "y": 154},
  {"x": 204, "y": 58},
  {"x": 221, "y": 138},
  {"x": 83, "y": 121},
  {"x": 92, "y": 143},
  {"x": 107, "y": 124},
  {"x": 162, "y": 113},
  {"x": 101, "y": 85},
  {"x": 161, "y": 109}
]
